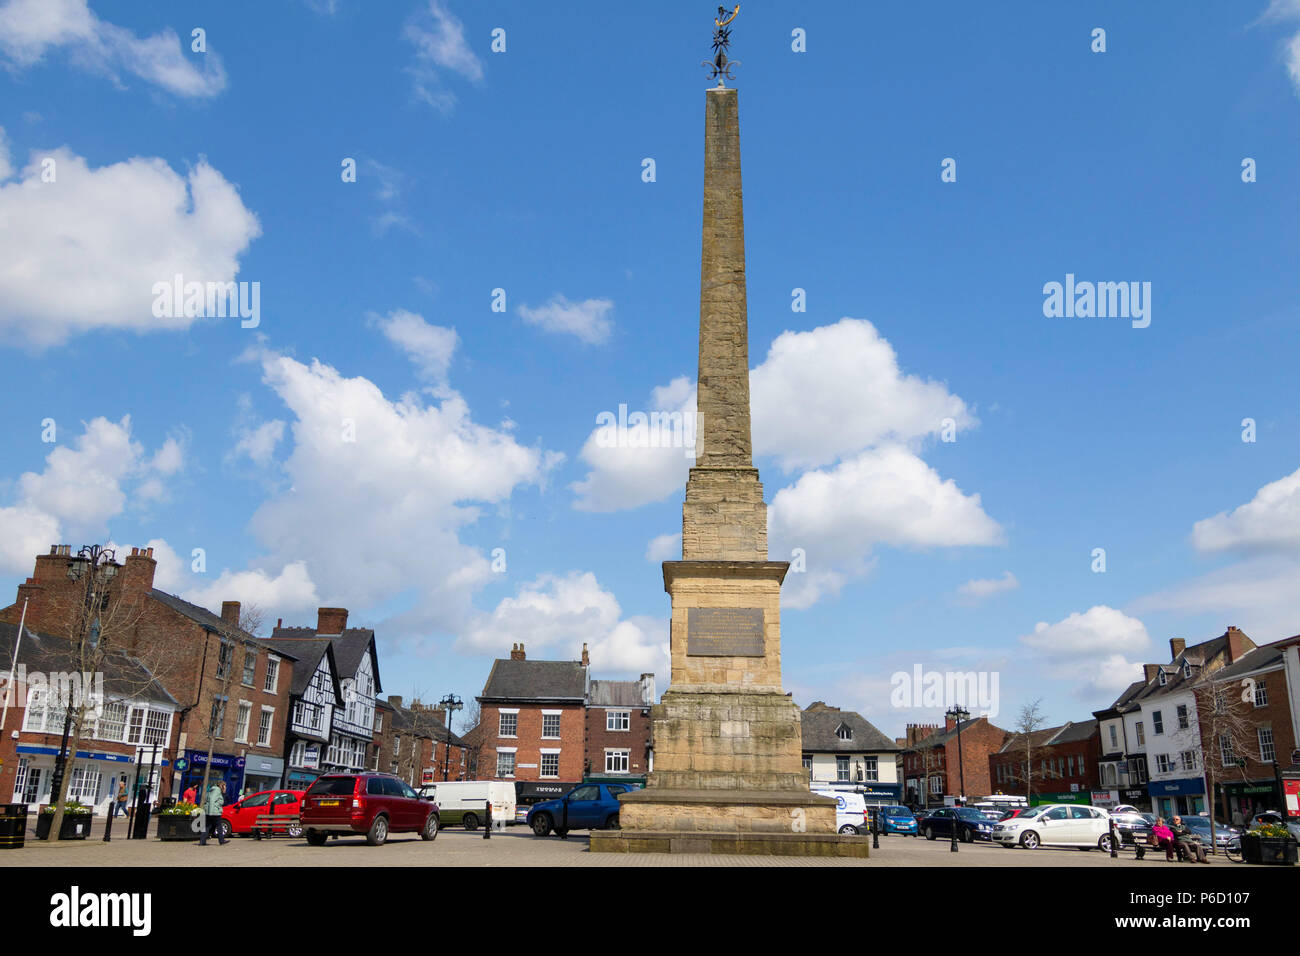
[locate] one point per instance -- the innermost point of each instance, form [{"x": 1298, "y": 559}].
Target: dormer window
[
  {"x": 844, "y": 732},
  {"x": 1164, "y": 678},
  {"x": 1187, "y": 669}
]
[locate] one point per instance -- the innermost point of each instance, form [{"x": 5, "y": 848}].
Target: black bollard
[
  {"x": 487, "y": 828},
  {"x": 875, "y": 829},
  {"x": 1114, "y": 849}
]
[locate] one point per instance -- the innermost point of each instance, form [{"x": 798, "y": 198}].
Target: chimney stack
[
  {"x": 331, "y": 620},
  {"x": 517, "y": 652},
  {"x": 586, "y": 660},
  {"x": 230, "y": 613},
  {"x": 1150, "y": 671},
  {"x": 1238, "y": 643},
  {"x": 139, "y": 567},
  {"x": 395, "y": 700},
  {"x": 1176, "y": 646}
]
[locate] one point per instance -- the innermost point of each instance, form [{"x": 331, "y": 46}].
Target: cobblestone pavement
[{"x": 519, "y": 847}]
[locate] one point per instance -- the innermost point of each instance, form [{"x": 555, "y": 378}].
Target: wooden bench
[{"x": 270, "y": 824}]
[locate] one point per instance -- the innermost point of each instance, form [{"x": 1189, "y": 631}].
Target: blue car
[
  {"x": 591, "y": 806},
  {"x": 898, "y": 820}
]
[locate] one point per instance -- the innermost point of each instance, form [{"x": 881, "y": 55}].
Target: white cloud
[
  {"x": 588, "y": 319},
  {"x": 977, "y": 589},
  {"x": 1100, "y": 650},
  {"x": 1261, "y": 596},
  {"x": 288, "y": 592},
  {"x": 259, "y": 443},
  {"x": 1280, "y": 11},
  {"x": 664, "y": 547},
  {"x": 380, "y": 490},
  {"x": 884, "y": 496},
  {"x": 84, "y": 252},
  {"x": 1269, "y": 521},
  {"x": 835, "y": 390},
  {"x": 631, "y": 464},
  {"x": 31, "y": 28},
  {"x": 6, "y": 161},
  {"x": 429, "y": 347},
  {"x": 553, "y": 616},
  {"x": 82, "y": 486},
  {"x": 440, "y": 45}
]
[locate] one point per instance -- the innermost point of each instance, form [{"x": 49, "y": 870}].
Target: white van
[
  {"x": 464, "y": 802},
  {"x": 850, "y": 810}
]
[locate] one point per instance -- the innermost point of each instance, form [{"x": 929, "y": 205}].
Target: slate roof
[
  {"x": 616, "y": 693},
  {"x": 1269, "y": 655},
  {"x": 201, "y": 615},
  {"x": 1037, "y": 739},
  {"x": 348, "y": 649},
  {"x": 125, "y": 677},
  {"x": 536, "y": 680},
  {"x": 821, "y": 722},
  {"x": 1074, "y": 732},
  {"x": 305, "y": 653},
  {"x": 407, "y": 720}
]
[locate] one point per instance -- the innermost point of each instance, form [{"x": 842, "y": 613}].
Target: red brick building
[
  {"x": 618, "y": 727},
  {"x": 933, "y": 767},
  {"x": 532, "y": 723},
  {"x": 1062, "y": 764},
  {"x": 232, "y": 688}
]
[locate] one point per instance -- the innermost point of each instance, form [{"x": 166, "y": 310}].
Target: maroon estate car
[{"x": 373, "y": 804}]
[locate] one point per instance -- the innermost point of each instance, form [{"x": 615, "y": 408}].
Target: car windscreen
[
  {"x": 1030, "y": 814},
  {"x": 333, "y": 786},
  {"x": 969, "y": 813}
]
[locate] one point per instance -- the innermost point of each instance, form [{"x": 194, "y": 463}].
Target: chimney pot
[
  {"x": 331, "y": 620},
  {"x": 586, "y": 660},
  {"x": 230, "y": 612},
  {"x": 517, "y": 653}
]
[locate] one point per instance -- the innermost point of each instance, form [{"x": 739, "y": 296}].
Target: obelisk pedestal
[{"x": 728, "y": 773}]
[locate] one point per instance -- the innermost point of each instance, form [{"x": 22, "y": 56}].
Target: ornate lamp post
[
  {"x": 449, "y": 705},
  {"x": 96, "y": 566},
  {"x": 958, "y": 714}
]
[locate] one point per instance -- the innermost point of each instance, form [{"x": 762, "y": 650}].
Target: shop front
[
  {"x": 1242, "y": 799},
  {"x": 93, "y": 776},
  {"x": 262, "y": 773},
  {"x": 225, "y": 767},
  {"x": 1066, "y": 796},
  {"x": 304, "y": 765},
  {"x": 1183, "y": 797}
]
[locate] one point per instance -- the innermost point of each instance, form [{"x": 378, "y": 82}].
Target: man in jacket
[
  {"x": 1187, "y": 843},
  {"x": 212, "y": 804}
]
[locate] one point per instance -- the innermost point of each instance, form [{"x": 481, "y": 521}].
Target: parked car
[
  {"x": 898, "y": 820},
  {"x": 238, "y": 818},
  {"x": 970, "y": 823},
  {"x": 1056, "y": 824},
  {"x": 1133, "y": 828},
  {"x": 1200, "y": 826},
  {"x": 591, "y": 806},
  {"x": 370, "y": 804},
  {"x": 464, "y": 802}
]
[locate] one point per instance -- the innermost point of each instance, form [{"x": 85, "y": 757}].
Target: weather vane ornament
[{"x": 720, "y": 65}]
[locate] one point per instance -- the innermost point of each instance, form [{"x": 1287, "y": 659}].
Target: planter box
[
  {"x": 175, "y": 827},
  {"x": 1278, "y": 850},
  {"x": 76, "y": 826}
]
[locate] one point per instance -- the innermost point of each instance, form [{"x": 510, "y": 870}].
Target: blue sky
[{"x": 473, "y": 429}]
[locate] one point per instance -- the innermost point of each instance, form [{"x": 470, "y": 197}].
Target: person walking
[
  {"x": 212, "y": 804},
  {"x": 119, "y": 801},
  {"x": 191, "y": 794}
]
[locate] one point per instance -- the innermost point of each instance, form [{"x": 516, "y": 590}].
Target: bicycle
[{"x": 1232, "y": 850}]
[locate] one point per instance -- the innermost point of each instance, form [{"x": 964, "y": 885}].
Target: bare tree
[
  {"x": 1222, "y": 733},
  {"x": 1029, "y": 721},
  {"x": 212, "y": 720}
]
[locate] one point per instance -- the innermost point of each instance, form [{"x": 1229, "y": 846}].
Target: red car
[
  {"x": 369, "y": 804},
  {"x": 239, "y": 817}
]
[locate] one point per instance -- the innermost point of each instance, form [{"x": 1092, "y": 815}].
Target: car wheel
[
  {"x": 315, "y": 838},
  {"x": 1029, "y": 840},
  {"x": 430, "y": 831},
  {"x": 470, "y": 821},
  {"x": 929, "y": 833},
  {"x": 848, "y": 829},
  {"x": 295, "y": 830},
  {"x": 378, "y": 831},
  {"x": 542, "y": 824},
  {"x": 612, "y": 822},
  {"x": 1104, "y": 844}
]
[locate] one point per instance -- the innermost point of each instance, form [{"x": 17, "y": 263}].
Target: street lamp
[
  {"x": 958, "y": 714},
  {"x": 449, "y": 704},
  {"x": 96, "y": 565}
]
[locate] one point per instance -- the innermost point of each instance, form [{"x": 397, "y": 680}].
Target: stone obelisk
[{"x": 728, "y": 775}]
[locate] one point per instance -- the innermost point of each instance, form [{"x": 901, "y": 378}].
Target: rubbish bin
[
  {"x": 13, "y": 826},
  {"x": 140, "y": 820}
]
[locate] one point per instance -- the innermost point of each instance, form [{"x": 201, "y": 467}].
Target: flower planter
[
  {"x": 177, "y": 827},
  {"x": 1276, "y": 850},
  {"x": 75, "y": 826}
]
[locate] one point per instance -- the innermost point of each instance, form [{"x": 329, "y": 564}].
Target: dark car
[
  {"x": 369, "y": 804},
  {"x": 592, "y": 806},
  {"x": 1133, "y": 828},
  {"x": 970, "y": 823}
]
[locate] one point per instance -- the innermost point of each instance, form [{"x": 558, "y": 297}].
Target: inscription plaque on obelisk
[{"x": 724, "y": 631}]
